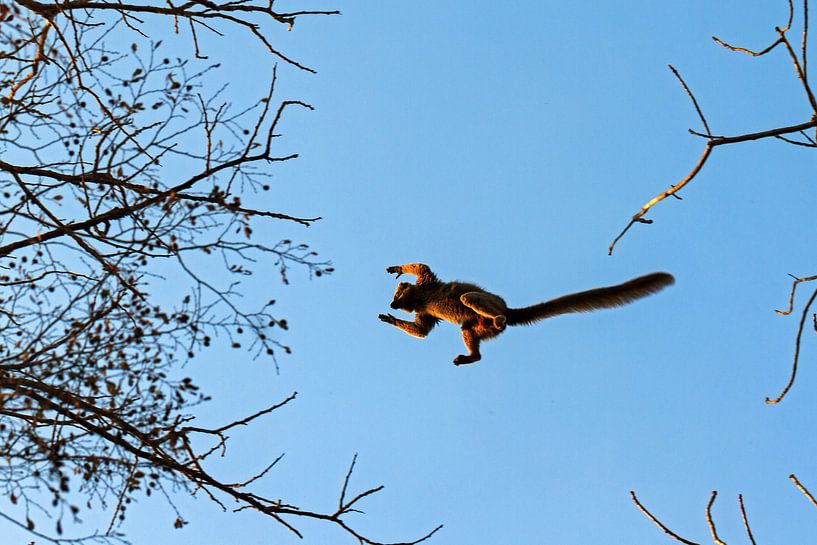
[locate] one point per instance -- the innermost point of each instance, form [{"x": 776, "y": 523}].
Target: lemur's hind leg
[
  {"x": 471, "y": 340},
  {"x": 488, "y": 305}
]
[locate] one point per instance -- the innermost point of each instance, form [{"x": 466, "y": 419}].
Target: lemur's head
[{"x": 404, "y": 297}]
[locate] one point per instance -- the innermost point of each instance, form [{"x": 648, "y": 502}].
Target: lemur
[{"x": 483, "y": 315}]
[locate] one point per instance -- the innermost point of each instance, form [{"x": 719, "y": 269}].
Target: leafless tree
[
  {"x": 122, "y": 166},
  {"x": 800, "y": 134},
  {"x": 710, "y": 520}
]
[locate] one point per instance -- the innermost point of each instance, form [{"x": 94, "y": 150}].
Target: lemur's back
[{"x": 444, "y": 302}]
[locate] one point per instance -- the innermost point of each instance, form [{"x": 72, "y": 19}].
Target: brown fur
[{"x": 483, "y": 315}]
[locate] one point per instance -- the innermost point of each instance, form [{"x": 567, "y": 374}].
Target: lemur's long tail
[{"x": 590, "y": 300}]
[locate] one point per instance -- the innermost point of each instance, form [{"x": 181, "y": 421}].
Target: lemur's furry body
[{"x": 483, "y": 315}]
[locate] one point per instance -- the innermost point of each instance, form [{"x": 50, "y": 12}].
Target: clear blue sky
[{"x": 506, "y": 144}]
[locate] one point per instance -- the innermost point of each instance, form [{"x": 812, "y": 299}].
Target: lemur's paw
[
  {"x": 500, "y": 322},
  {"x": 462, "y": 359},
  {"x": 388, "y": 318},
  {"x": 395, "y": 269}
]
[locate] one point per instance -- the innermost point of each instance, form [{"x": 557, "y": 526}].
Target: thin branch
[
  {"x": 710, "y": 522},
  {"x": 710, "y": 145},
  {"x": 803, "y": 489},
  {"x": 804, "y": 42},
  {"x": 658, "y": 523},
  {"x": 748, "y": 51},
  {"x": 745, "y": 520},
  {"x": 796, "y": 353},
  {"x": 259, "y": 474},
  {"x": 346, "y": 483},
  {"x": 692, "y": 98},
  {"x": 767, "y": 49},
  {"x": 243, "y": 421},
  {"x": 639, "y": 217},
  {"x": 799, "y": 69},
  {"x": 791, "y": 295},
  {"x": 796, "y": 142}
]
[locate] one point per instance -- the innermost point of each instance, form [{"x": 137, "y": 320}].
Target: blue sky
[{"x": 507, "y": 145}]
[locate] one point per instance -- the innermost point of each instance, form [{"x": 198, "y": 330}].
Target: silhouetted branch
[
  {"x": 796, "y": 351},
  {"x": 745, "y": 520},
  {"x": 658, "y": 523},
  {"x": 800, "y": 66},
  {"x": 125, "y": 169},
  {"x": 800, "y": 63},
  {"x": 710, "y": 522}
]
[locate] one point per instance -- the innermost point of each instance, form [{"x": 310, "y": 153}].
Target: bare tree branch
[
  {"x": 658, "y": 523},
  {"x": 125, "y": 170},
  {"x": 803, "y": 489},
  {"x": 715, "y": 141}
]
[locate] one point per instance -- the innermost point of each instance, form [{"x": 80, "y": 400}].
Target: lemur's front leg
[
  {"x": 421, "y": 271},
  {"x": 422, "y": 324}
]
